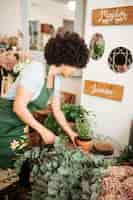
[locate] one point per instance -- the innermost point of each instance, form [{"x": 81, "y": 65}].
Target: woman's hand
[
  {"x": 72, "y": 135},
  {"x": 22, "y": 99},
  {"x": 48, "y": 137},
  {"x": 60, "y": 118}
]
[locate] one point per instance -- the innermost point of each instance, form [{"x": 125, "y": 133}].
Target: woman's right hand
[{"x": 48, "y": 137}]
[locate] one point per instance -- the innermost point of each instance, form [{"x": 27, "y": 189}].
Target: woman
[{"x": 33, "y": 88}]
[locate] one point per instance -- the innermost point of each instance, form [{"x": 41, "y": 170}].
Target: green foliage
[
  {"x": 83, "y": 129},
  {"x": 73, "y": 113},
  {"x": 19, "y": 146},
  {"x": 52, "y": 125},
  {"x": 59, "y": 173},
  {"x": 126, "y": 155},
  {"x": 98, "y": 50}
]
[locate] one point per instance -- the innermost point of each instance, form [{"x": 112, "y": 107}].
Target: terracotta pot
[
  {"x": 86, "y": 146},
  {"x": 127, "y": 164}
]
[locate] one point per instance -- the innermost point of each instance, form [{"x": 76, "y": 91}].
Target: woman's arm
[
  {"x": 60, "y": 118},
  {"x": 20, "y": 108}
]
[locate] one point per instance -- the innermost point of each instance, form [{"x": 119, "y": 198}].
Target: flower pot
[{"x": 85, "y": 145}]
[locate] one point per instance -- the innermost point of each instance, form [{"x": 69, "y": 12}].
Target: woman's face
[{"x": 66, "y": 70}]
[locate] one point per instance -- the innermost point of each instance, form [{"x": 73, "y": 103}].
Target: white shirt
[{"x": 32, "y": 78}]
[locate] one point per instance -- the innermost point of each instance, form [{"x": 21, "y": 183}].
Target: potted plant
[
  {"x": 126, "y": 156},
  {"x": 79, "y": 119},
  {"x": 85, "y": 134}
]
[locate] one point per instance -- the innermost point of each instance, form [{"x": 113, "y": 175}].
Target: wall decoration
[
  {"x": 113, "y": 16},
  {"x": 35, "y": 36},
  {"x": 47, "y": 28},
  {"x": 105, "y": 90},
  {"x": 97, "y": 46},
  {"x": 68, "y": 25},
  {"x": 120, "y": 59}
]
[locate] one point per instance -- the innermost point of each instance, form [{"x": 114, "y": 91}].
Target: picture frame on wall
[
  {"x": 68, "y": 25},
  {"x": 35, "y": 36},
  {"x": 47, "y": 28}
]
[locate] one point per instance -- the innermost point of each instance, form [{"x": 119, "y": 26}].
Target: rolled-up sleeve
[{"x": 31, "y": 77}]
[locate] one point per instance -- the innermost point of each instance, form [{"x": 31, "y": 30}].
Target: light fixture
[{"x": 71, "y": 5}]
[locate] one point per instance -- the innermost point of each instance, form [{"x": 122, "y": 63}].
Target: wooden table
[{"x": 8, "y": 183}]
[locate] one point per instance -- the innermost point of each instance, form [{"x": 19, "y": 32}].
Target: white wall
[
  {"x": 72, "y": 85},
  {"x": 113, "y": 118},
  {"x": 48, "y": 11},
  {"x": 10, "y": 16}
]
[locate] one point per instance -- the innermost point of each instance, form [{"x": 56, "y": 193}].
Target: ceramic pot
[{"x": 85, "y": 145}]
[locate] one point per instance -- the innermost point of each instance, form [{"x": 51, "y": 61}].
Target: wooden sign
[
  {"x": 113, "y": 16},
  {"x": 105, "y": 90}
]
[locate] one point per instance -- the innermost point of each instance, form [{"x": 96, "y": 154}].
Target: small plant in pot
[{"x": 85, "y": 134}]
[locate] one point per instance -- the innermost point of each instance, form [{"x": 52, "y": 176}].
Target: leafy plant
[
  {"x": 19, "y": 146},
  {"x": 73, "y": 113},
  {"x": 59, "y": 173},
  {"x": 83, "y": 129},
  {"x": 126, "y": 155},
  {"x": 52, "y": 125},
  {"x": 98, "y": 49}
]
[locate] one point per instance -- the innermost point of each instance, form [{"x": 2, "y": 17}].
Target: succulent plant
[{"x": 83, "y": 129}]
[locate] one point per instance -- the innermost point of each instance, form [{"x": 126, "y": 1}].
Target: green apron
[{"x": 11, "y": 127}]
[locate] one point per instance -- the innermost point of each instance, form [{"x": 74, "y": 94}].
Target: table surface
[{"x": 8, "y": 177}]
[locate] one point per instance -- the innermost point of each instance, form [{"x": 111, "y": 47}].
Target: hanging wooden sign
[
  {"x": 113, "y": 16},
  {"x": 105, "y": 90}
]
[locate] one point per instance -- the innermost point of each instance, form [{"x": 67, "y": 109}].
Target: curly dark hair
[{"x": 68, "y": 49}]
